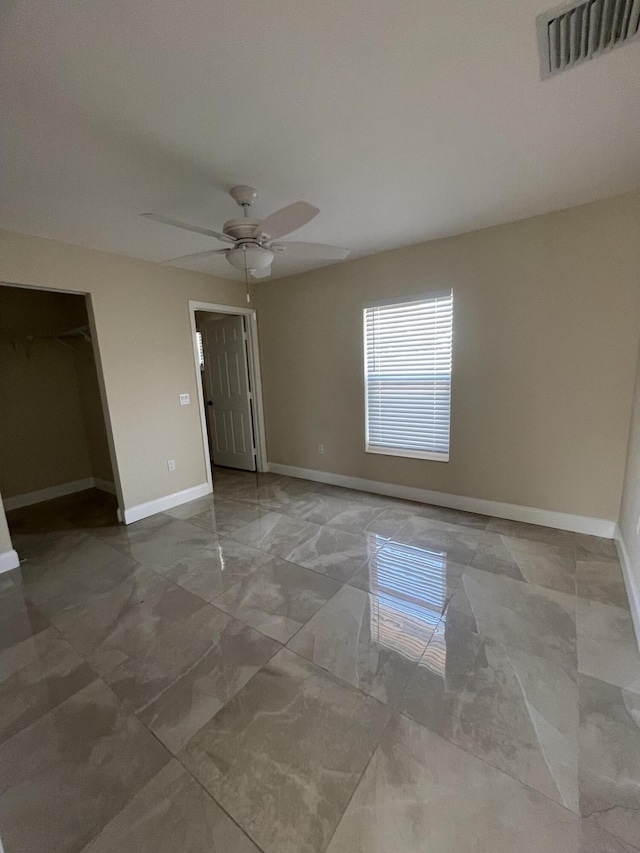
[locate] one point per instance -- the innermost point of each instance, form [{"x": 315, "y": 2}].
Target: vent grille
[{"x": 570, "y": 35}]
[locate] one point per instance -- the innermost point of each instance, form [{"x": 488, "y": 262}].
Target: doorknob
[{"x": 209, "y": 402}]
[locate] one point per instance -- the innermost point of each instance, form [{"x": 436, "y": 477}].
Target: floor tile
[
  {"x": 609, "y": 758},
  {"x": 225, "y": 516},
  {"x": 19, "y": 618},
  {"x": 158, "y": 541},
  {"x": 537, "y": 620},
  {"x": 458, "y": 543},
  {"x": 176, "y": 681},
  {"x": 602, "y": 581},
  {"x": 595, "y": 548},
  {"x": 285, "y": 755},
  {"x": 222, "y": 474},
  {"x": 416, "y": 574},
  {"x": 230, "y": 488},
  {"x": 276, "y": 496},
  {"x": 315, "y": 507},
  {"x": 37, "y": 675},
  {"x": 516, "y": 711},
  {"x": 334, "y": 552},
  {"x": 213, "y": 569},
  {"x": 532, "y": 562},
  {"x": 465, "y": 625},
  {"x": 275, "y": 533},
  {"x": 351, "y": 495},
  {"x": 421, "y": 794},
  {"x": 594, "y": 839},
  {"x": 73, "y": 580},
  {"x": 607, "y": 644},
  {"x": 230, "y": 483},
  {"x": 192, "y": 508},
  {"x": 33, "y": 544},
  {"x": 359, "y": 518},
  {"x": 371, "y": 641},
  {"x": 91, "y": 509},
  {"x": 37, "y": 519},
  {"x": 69, "y": 773},
  {"x": 278, "y": 599},
  {"x": 6, "y": 580},
  {"x": 168, "y": 655},
  {"x": 389, "y": 522},
  {"x": 451, "y": 516},
  {"x": 119, "y": 623},
  {"x": 532, "y": 532},
  {"x": 172, "y": 814}
]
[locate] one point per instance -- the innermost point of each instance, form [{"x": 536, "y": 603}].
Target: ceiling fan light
[{"x": 250, "y": 258}]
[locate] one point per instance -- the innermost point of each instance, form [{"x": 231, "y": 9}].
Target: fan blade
[
  {"x": 262, "y": 273},
  {"x": 287, "y": 219},
  {"x": 165, "y": 220},
  {"x": 313, "y": 251},
  {"x": 195, "y": 255}
]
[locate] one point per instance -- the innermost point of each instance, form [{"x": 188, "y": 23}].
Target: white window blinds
[
  {"x": 407, "y": 365},
  {"x": 200, "y": 349}
]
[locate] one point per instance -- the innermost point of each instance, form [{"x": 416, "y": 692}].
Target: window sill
[{"x": 408, "y": 454}]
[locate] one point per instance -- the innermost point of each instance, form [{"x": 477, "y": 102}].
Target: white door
[{"x": 228, "y": 396}]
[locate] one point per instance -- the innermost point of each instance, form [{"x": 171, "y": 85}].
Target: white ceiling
[{"x": 403, "y": 121}]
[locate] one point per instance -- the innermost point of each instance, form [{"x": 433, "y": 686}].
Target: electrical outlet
[
  {"x": 321, "y": 449},
  {"x": 171, "y": 464},
  {"x": 185, "y": 399},
  {"x": 638, "y": 527}
]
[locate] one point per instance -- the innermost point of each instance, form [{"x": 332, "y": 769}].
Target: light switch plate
[{"x": 185, "y": 399}]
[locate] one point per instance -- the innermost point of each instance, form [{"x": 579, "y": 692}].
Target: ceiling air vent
[{"x": 572, "y": 34}]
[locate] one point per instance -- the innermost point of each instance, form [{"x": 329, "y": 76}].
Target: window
[
  {"x": 407, "y": 371},
  {"x": 200, "y": 350}
]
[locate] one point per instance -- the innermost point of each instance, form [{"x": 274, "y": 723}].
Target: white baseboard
[
  {"x": 561, "y": 520},
  {"x": 9, "y": 560},
  {"x": 630, "y": 582},
  {"x": 140, "y": 511},
  {"x": 59, "y": 491}
]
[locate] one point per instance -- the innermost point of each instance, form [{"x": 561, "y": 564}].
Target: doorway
[
  {"x": 55, "y": 439},
  {"x": 225, "y": 345}
]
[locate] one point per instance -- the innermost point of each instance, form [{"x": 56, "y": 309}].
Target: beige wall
[
  {"x": 5, "y": 538},
  {"x": 42, "y": 433},
  {"x": 92, "y": 412},
  {"x": 52, "y": 429},
  {"x": 630, "y": 509},
  {"x": 545, "y": 340},
  {"x": 144, "y": 339}
]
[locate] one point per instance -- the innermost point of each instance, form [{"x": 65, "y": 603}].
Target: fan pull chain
[{"x": 246, "y": 278}]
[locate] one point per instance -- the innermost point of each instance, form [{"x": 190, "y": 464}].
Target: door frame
[{"x": 255, "y": 378}]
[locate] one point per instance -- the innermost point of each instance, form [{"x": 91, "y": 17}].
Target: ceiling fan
[{"x": 255, "y": 241}]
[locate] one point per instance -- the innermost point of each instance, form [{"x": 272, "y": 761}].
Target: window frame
[{"x": 382, "y": 450}]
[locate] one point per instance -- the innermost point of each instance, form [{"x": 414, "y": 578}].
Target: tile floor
[{"x": 290, "y": 667}]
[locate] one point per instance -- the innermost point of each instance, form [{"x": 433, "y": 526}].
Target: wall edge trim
[
  {"x": 531, "y": 515},
  {"x": 9, "y": 560},
  {"x": 630, "y": 582},
  {"x": 144, "y": 510},
  {"x": 59, "y": 491}
]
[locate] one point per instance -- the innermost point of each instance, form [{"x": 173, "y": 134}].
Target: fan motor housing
[{"x": 241, "y": 229}]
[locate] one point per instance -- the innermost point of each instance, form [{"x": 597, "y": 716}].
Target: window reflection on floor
[
  {"x": 409, "y": 587},
  {"x": 435, "y": 657}
]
